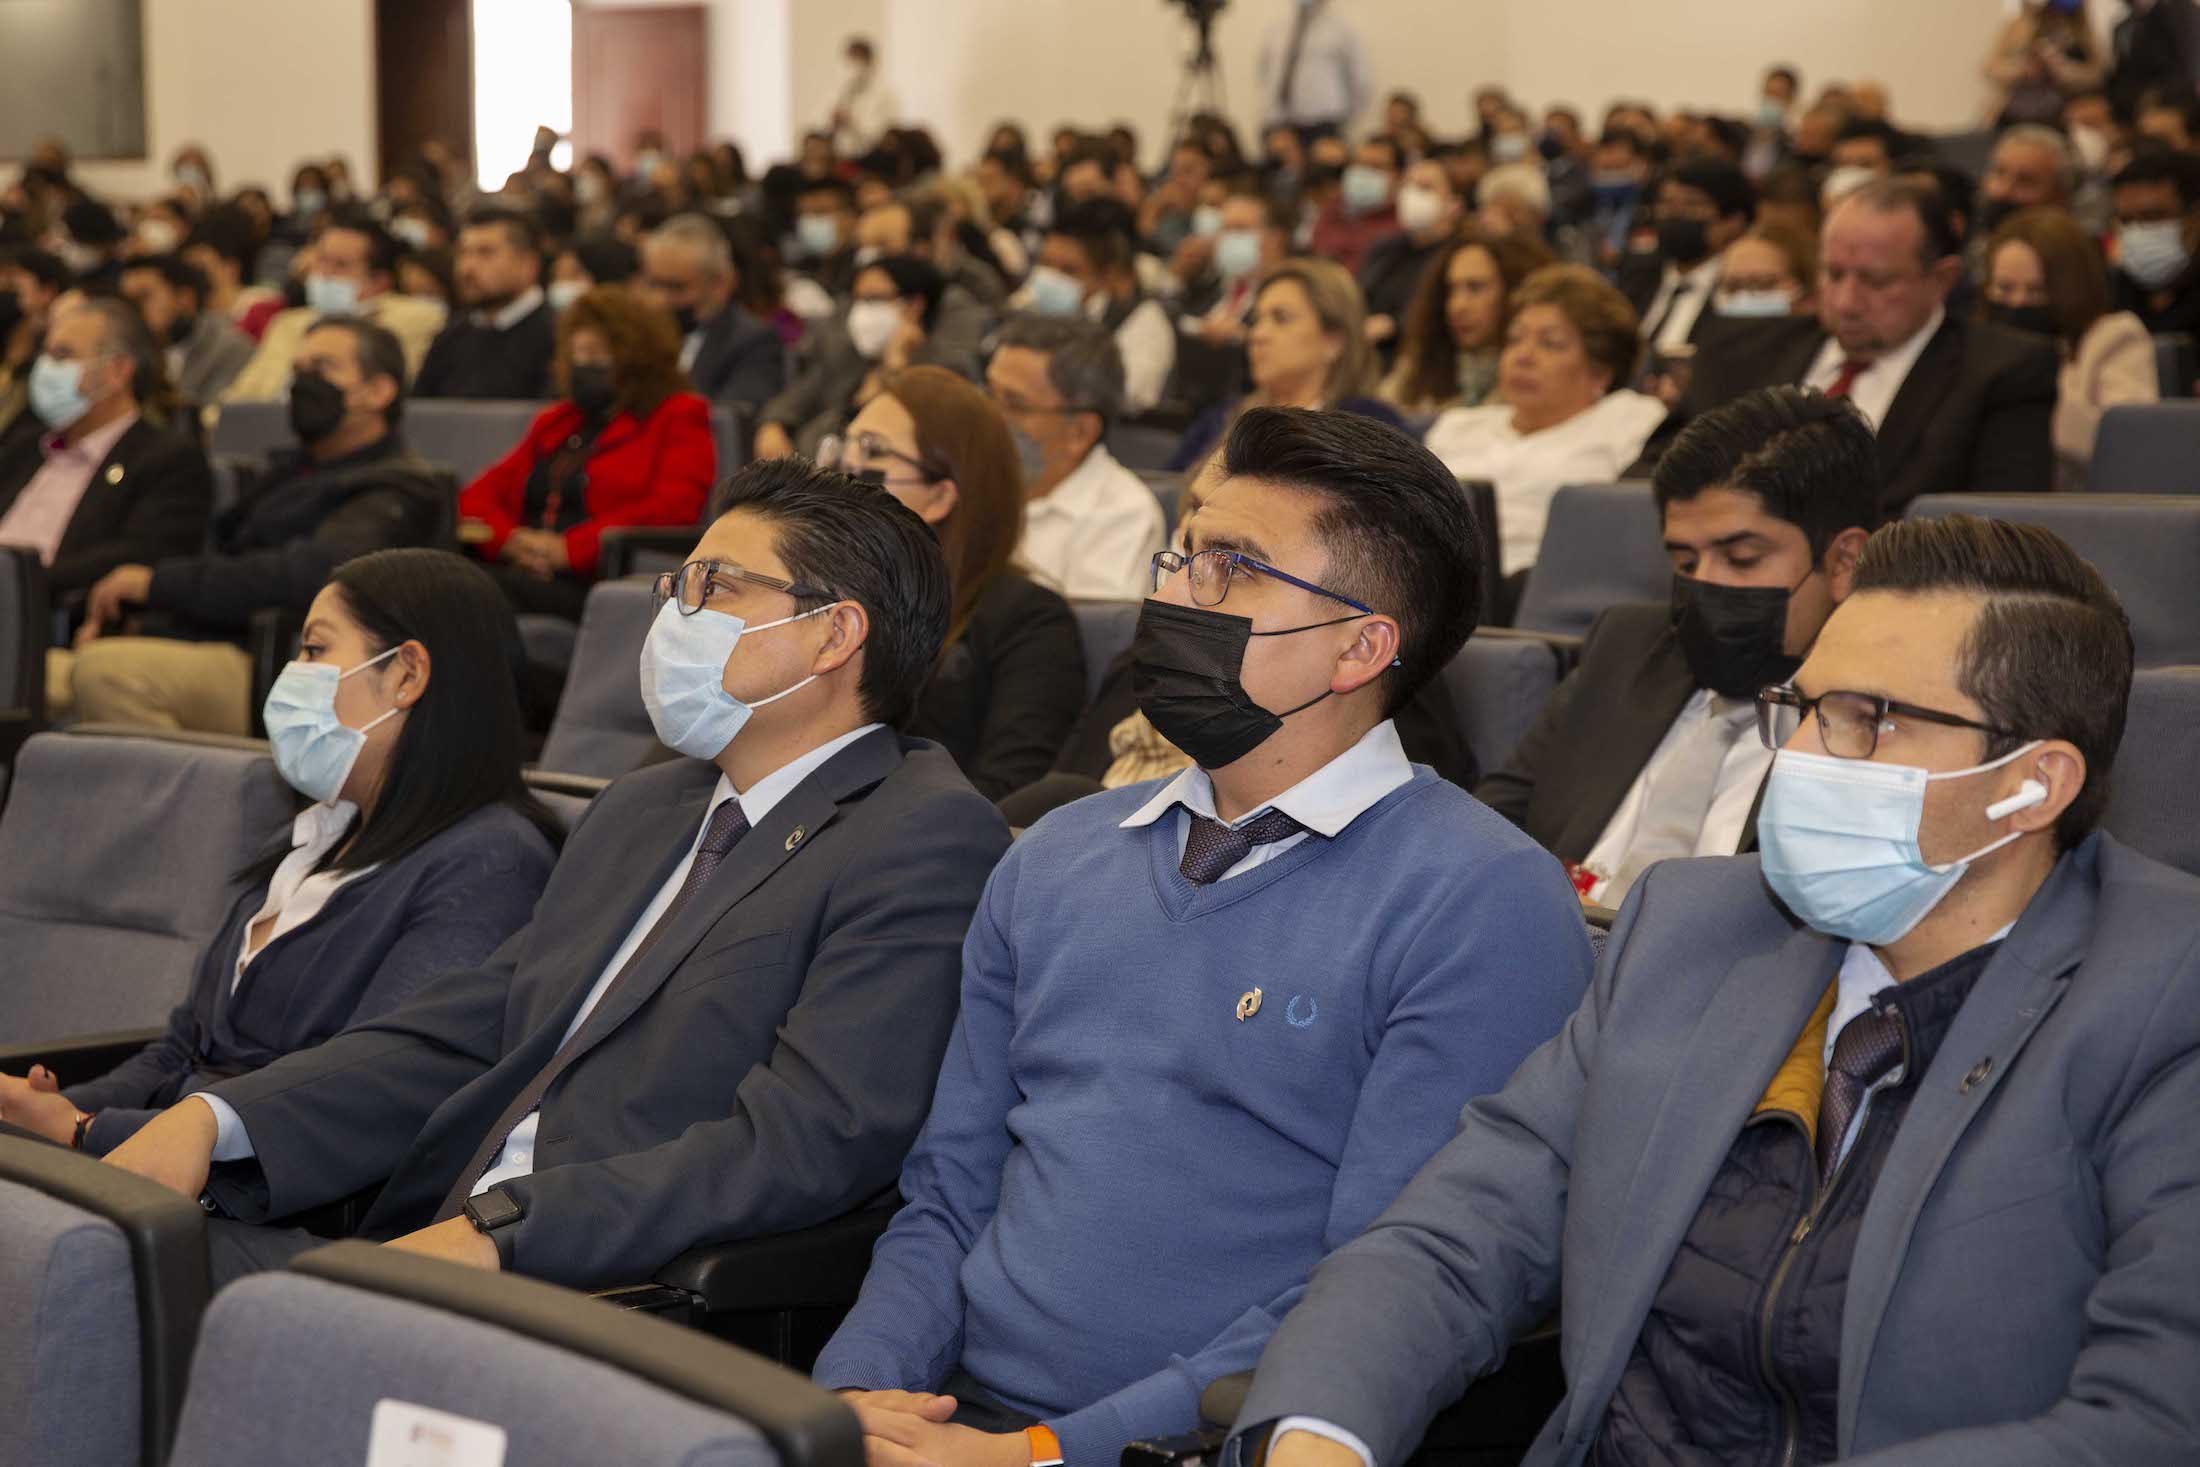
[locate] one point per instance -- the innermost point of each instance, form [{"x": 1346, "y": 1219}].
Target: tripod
[{"x": 1201, "y": 88}]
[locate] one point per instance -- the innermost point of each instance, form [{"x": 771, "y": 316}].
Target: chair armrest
[
  {"x": 1565, "y": 647},
  {"x": 79, "y": 1057},
  {"x": 16, "y": 727},
  {"x": 810, "y": 1268},
  {"x": 620, "y": 549},
  {"x": 559, "y": 782}
]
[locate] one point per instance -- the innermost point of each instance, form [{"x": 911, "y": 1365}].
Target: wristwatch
[{"x": 492, "y": 1213}]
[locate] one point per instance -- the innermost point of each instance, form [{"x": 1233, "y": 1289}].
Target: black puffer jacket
[{"x": 1739, "y": 1361}]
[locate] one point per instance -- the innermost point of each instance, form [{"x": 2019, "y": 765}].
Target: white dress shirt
[
  {"x": 517, "y": 1158},
  {"x": 1331, "y": 82},
  {"x": 1092, "y": 537},
  {"x": 1681, "y": 298},
  {"x": 296, "y": 893},
  {"x": 1325, "y": 802},
  {"x": 1875, "y": 387},
  {"x": 1594, "y": 446},
  {"x": 1741, "y": 775},
  {"x": 1147, "y": 343}
]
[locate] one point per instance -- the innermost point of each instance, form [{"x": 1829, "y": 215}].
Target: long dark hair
[{"x": 463, "y": 742}]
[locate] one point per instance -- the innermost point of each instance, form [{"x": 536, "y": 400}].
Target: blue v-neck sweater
[{"x": 1123, "y": 1186}]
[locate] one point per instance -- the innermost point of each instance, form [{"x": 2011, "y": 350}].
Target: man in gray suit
[
  {"x": 727, "y": 1015},
  {"x": 205, "y": 352},
  {"x": 1891, "y": 1162}
]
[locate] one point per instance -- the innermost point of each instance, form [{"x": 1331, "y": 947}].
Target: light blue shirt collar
[{"x": 1325, "y": 802}]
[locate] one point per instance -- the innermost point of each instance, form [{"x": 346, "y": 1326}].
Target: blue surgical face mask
[
  {"x": 332, "y": 295},
  {"x": 1237, "y": 253},
  {"x": 1756, "y": 303},
  {"x": 309, "y": 201},
  {"x": 1365, "y": 188},
  {"x": 1206, "y": 220},
  {"x": 1840, "y": 842},
  {"x": 1031, "y": 455},
  {"x": 684, "y": 678},
  {"x": 818, "y": 235},
  {"x": 314, "y": 750},
  {"x": 1054, "y": 293},
  {"x": 57, "y": 392},
  {"x": 2152, "y": 253}
]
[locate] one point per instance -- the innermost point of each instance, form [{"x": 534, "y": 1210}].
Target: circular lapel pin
[
  {"x": 114, "y": 473},
  {"x": 1248, "y": 1005},
  {"x": 796, "y": 838}
]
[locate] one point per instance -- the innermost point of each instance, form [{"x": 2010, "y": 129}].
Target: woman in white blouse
[
  {"x": 1563, "y": 419},
  {"x": 2045, "y": 274}
]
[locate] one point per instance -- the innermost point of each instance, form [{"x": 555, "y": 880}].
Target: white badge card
[{"x": 405, "y": 1435}]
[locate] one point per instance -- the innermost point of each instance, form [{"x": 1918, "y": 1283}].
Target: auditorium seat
[
  {"x": 117, "y": 853},
  {"x": 251, "y": 430},
  {"x": 567, "y": 795},
  {"x": 464, "y": 435},
  {"x": 1498, "y": 683},
  {"x": 2147, "y": 448},
  {"x": 2153, "y": 804},
  {"x": 1168, "y": 487},
  {"x": 102, "y": 1282},
  {"x": 1482, "y": 500},
  {"x": 25, "y": 628},
  {"x": 2147, "y": 547},
  {"x": 1138, "y": 445},
  {"x": 2176, "y": 364},
  {"x": 1602, "y": 544},
  {"x": 601, "y": 727},
  {"x": 1106, "y": 628},
  {"x": 359, "y": 1344}
]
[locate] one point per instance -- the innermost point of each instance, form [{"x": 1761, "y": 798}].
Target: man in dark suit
[
  {"x": 1958, "y": 405},
  {"x": 1648, "y": 749},
  {"x": 500, "y": 347},
  {"x": 687, "y": 267},
  {"x": 88, "y": 478},
  {"x": 1878, "y": 1149},
  {"x": 729, "y": 1011}
]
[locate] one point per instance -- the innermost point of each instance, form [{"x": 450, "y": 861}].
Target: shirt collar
[
  {"x": 519, "y": 310},
  {"x": 1863, "y": 977},
  {"x": 320, "y": 826},
  {"x": 1325, "y": 802},
  {"x": 1699, "y": 278},
  {"x": 1081, "y": 488},
  {"x": 93, "y": 448},
  {"x": 777, "y": 785}
]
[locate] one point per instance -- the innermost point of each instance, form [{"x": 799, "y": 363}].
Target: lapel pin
[
  {"x": 1978, "y": 1073},
  {"x": 1248, "y": 1005},
  {"x": 114, "y": 473},
  {"x": 796, "y": 838}
]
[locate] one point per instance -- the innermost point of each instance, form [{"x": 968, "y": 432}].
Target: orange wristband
[{"x": 1046, "y": 1448}]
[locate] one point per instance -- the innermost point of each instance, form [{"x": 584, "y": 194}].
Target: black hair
[
  {"x": 843, "y": 194},
  {"x": 379, "y": 353},
  {"x": 1385, "y": 140},
  {"x": 42, "y": 266},
  {"x": 1103, "y": 228},
  {"x": 2179, "y": 170},
  {"x": 856, "y": 542},
  {"x": 1890, "y": 141},
  {"x": 1722, "y": 182},
  {"x": 914, "y": 279},
  {"x": 1399, "y": 531},
  {"x": 463, "y": 742},
  {"x": 1015, "y": 164},
  {"x": 608, "y": 259},
  {"x": 1958, "y": 189},
  {"x": 175, "y": 272},
  {"x": 2050, "y": 654},
  {"x": 1810, "y": 460},
  {"x": 381, "y": 244},
  {"x": 1786, "y": 73},
  {"x": 229, "y": 232},
  {"x": 1921, "y": 201},
  {"x": 519, "y": 228},
  {"x": 92, "y": 223}
]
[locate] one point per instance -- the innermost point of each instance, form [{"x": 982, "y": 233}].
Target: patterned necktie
[
  {"x": 1213, "y": 848},
  {"x": 1845, "y": 376},
  {"x": 1869, "y": 1046},
  {"x": 726, "y": 827}
]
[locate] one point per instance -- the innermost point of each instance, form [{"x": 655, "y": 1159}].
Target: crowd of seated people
[{"x": 1210, "y": 1006}]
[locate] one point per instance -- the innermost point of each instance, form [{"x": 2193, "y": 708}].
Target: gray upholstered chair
[
  {"x": 1602, "y": 544},
  {"x": 1498, "y": 684},
  {"x": 2153, "y": 804},
  {"x": 601, "y": 727},
  {"x": 102, "y": 1281},
  {"x": 351, "y": 1331}
]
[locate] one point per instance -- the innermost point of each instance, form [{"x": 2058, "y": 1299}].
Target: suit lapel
[
  {"x": 1930, "y": 377},
  {"x": 779, "y": 838},
  {"x": 1745, "y": 1032},
  {"x": 2020, "y": 987},
  {"x": 1652, "y": 699},
  {"x": 99, "y": 510}
]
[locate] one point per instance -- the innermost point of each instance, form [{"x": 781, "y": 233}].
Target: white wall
[{"x": 261, "y": 83}]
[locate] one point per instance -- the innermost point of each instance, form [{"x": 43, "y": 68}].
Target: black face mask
[
  {"x": 316, "y": 406},
  {"x": 1185, "y": 664},
  {"x": 1734, "y": 637},
  {"x": 684, "y": 317},
  {"x": 591, "y": 391},
  {"x": 180, "y": 329},
  {"x": 1682, "y": 240},
  {"x": 2037, "y": 319}
]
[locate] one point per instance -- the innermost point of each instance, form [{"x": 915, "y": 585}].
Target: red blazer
[{"x": 652, "y": 472}]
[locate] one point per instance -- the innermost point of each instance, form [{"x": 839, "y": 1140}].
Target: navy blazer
[
  {"x": 764, "y": 1066},
  {"x": 382, "y": 938}
]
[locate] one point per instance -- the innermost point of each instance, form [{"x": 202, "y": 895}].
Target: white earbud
[{"x": 2028, "y": 794}]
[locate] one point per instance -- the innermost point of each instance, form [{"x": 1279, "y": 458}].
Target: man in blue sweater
[{"x": 1211, "y": 1026}]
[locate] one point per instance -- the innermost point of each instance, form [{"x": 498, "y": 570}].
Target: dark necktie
[
  {"x": 1291, "y": 52},
  {"x": 1844, "y": 376},
  {"x": 1868, "y": 1047},
  {"x": 1213, "y": 848},
  {"x": 726, "y": 827}
]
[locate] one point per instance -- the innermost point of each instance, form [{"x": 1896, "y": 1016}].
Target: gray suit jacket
[
  {"x": 766, "y": 1068},
  {"x": 2026, "y": 1287},
  {"x": 213, "y": 356}
]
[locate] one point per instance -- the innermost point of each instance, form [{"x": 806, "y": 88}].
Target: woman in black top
[{"x": 1011, "y": 677}]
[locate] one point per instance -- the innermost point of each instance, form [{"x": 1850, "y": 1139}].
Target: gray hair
[
  {"x": 700, "y": 233},
  {"x": 1083, "y": 361},
  {"x": 2039, "y": 135}
]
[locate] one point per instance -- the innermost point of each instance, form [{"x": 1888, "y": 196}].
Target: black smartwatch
[{"x": 492, "y": 1213}]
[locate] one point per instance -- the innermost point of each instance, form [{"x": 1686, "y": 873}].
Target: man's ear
[
  {"x": 1367, "y": 658},
  {"x": 381, "y": 392},
  {"x": 1839, "y": 561},
  {"x": 2059, "y": 766},
  {"x": 848, "y": 628}
]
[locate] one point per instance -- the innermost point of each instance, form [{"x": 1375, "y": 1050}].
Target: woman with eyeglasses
[
  {"x": 1011, "y": 675},
  {"x": 418, "y": 852}
]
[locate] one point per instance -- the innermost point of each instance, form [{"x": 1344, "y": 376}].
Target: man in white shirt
[
  {"x": 1313, "y": 72},
  {"x": 1648, "y": 750},
  {"x": 867, "y": 107},
  {"x": 728, "y": 1012},
  {"x": 1091, "y": 526}
]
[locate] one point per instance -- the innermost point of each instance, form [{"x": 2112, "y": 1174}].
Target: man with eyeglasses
[
  {"x": 1876, "y": 1149},
  {"x": 1958, "y": 404},
  {"x": 728, "y": 1012},
  {"x": 1211, "y": 1024}
]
